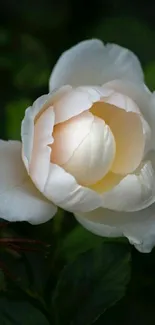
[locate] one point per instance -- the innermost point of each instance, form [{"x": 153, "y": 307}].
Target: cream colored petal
[
  {"x": 64, "y": 191},
  {"x": 140, "y": 94},
  {"x": 138, "y": 227},
  {"x": 77, "y": 101},
  {"x": 27, "y": 128},
  {"x": 107, "y": 182},
  {"x": 73, "y": 103},
  {"x": 128, "y": 133},
  {"x": 40, "y": 161},
  {"x": 19, "y": 199},
  {"x": 127, "y": 129},
  {"x": 32, "y": 113},
  {"x": 93, "y": 63},
  {"x": 94, "y": 156},
  {"x": 134, "y": 192},
  {"x": 69, "y": 135}
]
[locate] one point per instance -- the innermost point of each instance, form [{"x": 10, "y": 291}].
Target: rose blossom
[{"x": 87, "y": 147}]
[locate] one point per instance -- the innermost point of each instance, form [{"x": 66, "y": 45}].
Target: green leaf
[
  {"x": 2, "y": 281},
  {"x": 15, "y": 113},
  {"x": 137, "y": 307},
  {"x": 14, "y": 312},
  {"x": 92, "y": 283},
  {"x": 150, "y": 75},
  {"x": 78, "y": 241},
  {"x": 31, "y": 66}
]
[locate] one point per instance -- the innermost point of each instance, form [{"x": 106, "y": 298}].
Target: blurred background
[{"x": 34, "y": 33}]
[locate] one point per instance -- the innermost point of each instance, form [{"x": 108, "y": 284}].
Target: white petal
[
  {"x": 64, "y": 191},
  {"x": 27, "y": 128},
  {"x": 144, "y": 100},
  {"x": 127, "y": 128},
  {"x": 69, "y": 135},
  {"x": 40, "y": 162},
  {"x": 94, "y": 156},
  {"x": 138, "y": 227},
  {"x": 92, "y": 63},
  {"x": 77, "y": 100},
  {"x": 19, "y": 199},
  {"x": 134, "y": 192}
]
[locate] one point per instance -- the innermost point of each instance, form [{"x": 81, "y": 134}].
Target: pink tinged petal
[
  {"x": 19, "y": 199},
  {"x": 91, "y": 62},
  {"x": 64, "y": 191},
  {"x": 138, "y": 227},
  {"x": 94, "y": 156},
  {"x": 40, "y": 162}
]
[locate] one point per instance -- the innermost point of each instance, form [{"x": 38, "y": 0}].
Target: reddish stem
[
  {"x": 21, "y": 240},
  {"x": 18, "y": 248}
]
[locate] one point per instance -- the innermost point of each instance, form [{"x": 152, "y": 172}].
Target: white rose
[{"x": 87, "y": 147}]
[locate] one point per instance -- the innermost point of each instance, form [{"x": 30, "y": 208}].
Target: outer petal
[
  {"x": 64, "y": 191},
  {"x": 138, "y": 227},
  {"x": 92, "y": 63},
  {"x": 134, "y": 192},
  {"x": 40, "y": 161},
  {"x": 19, "y": 199},
  {"x": 32, "y": 112}
]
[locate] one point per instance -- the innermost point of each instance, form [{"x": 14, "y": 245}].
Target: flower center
[{"x": 85, "y": 147}]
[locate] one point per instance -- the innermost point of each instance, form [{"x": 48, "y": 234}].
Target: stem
[{"x": 21, "y": 240}]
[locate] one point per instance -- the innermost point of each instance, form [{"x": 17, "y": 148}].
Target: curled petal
[
  {"x": 126, "y": 126},
  {"x": 135, "y": 192},
  {"x": 76, "y": 101},
  {"x": 40, "y": 162},
  {"x": 140, "y": 94},
  {"x": 32, "y": 114},
  {"x": 138, "y": 227},
  {"x": 62, "y": 189},
  {"x": 19, "y": 199}
]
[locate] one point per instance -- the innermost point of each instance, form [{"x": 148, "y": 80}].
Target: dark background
[{"x": 34, "y": 33}]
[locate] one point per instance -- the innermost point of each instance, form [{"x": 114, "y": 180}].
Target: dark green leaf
[
  {"x": 150, "y": 75},
  {"x": 14, "y": 312},
  {"x": 2, "y": 281},
  {"x": 92, "y": 283},
  {"x": 15, "y": 111},
  {"x": 78, "y": 241}
]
